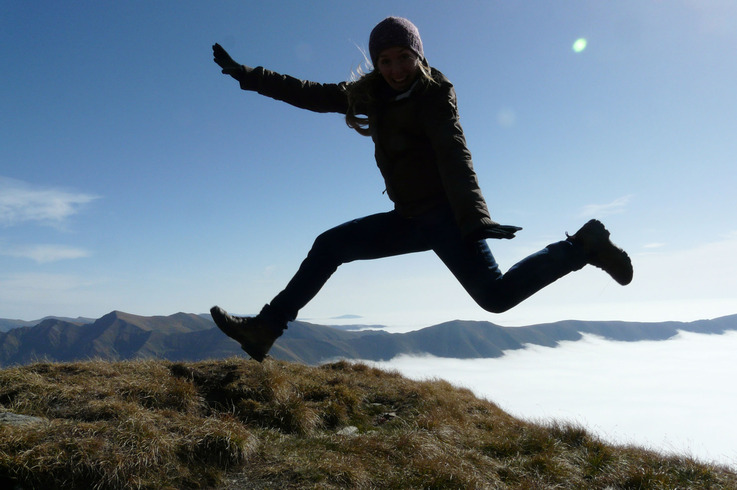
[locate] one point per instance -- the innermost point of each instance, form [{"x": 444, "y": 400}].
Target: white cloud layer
[
  {"x": 21, "y": 202},
  {"x": 675, "y": 396}
]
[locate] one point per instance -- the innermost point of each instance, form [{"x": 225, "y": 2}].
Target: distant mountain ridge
[
  {"x": 191, "y": 337},
  {"x": 8, "y": 324}
]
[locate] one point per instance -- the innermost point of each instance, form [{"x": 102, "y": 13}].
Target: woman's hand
[{"x": 223, "y": 59}]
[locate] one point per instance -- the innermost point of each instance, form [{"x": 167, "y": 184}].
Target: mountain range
[{"x": 192, "y": 337}]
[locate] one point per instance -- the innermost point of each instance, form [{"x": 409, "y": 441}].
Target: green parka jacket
[{"x": 419, "y": 144}]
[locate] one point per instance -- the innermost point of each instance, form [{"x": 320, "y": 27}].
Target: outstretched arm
[{"x": 317, "y": 97}]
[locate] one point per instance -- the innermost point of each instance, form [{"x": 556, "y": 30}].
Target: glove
[
  {"x": 494, "y": 231},
  {"x": 228, "y": 64}
]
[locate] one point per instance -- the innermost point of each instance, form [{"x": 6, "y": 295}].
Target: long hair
[{"x": 363, "y": 92}]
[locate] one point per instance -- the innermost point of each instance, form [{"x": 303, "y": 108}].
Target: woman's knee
[
  {"x": 495, "y": 306},
  {"x": 329, "y": 247},
  {"x": 494, "y": 301}
]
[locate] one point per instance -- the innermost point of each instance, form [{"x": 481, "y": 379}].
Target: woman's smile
[{"x": 398, "y": 66}]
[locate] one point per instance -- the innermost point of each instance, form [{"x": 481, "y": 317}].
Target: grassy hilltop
[{"x": 239, "y": 424}]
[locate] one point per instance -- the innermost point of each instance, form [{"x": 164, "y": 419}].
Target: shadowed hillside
[
  {"x": 239, "y": 424},
  {"x": 187, "y": 337}
]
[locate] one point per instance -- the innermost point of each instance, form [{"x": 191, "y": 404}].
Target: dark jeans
[{"x": 389, "y": 234}]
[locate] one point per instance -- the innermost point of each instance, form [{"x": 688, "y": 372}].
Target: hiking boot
[
  {"x": 602, "y": 253},
  {"x": 255, "y": 334}
]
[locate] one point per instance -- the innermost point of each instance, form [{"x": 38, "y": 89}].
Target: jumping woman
[{"x": 409, "y": 110}]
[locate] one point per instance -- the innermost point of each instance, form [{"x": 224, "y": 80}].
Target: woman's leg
[
  {"x": 474, "y": 266},
  {"x": 372, "y": 237}
]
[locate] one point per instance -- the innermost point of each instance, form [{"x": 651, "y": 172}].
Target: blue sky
[{"x": 134, "y": 176}]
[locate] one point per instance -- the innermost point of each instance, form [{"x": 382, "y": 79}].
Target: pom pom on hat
[{"x": 391, "y": 32}]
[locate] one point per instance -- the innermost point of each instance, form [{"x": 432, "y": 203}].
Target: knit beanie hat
[{"x": 391, "y": 32}]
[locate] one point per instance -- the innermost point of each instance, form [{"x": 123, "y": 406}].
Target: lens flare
[{"x": 579, "y": 45}]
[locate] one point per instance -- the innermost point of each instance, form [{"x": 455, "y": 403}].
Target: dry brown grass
[{"x": 239, "y": 424}]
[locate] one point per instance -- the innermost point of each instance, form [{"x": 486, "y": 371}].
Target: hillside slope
[
  {"x": 188, "y": 337},
  {"x": 239, "y": 424}
]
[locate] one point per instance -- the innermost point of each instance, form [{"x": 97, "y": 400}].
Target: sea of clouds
[{"x": 675, "y": 396}]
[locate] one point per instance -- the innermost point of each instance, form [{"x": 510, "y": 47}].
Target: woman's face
[{"x": 399, "y": 67}]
